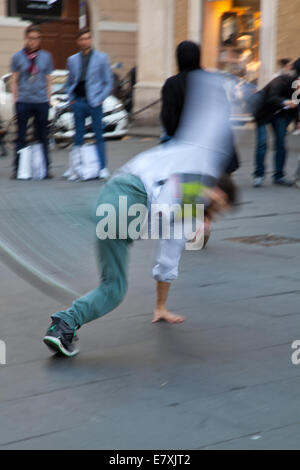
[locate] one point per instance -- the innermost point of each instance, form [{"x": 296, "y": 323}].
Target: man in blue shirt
[
  {"x": 31, "y": 87},
  {"x": 89, "y": 83}
]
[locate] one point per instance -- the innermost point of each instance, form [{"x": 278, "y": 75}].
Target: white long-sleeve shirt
[{"x": 203, "y": 145}]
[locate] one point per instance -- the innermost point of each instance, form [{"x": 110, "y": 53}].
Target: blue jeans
[
  {"x": 81, "y": 110},
  {"x": 279, "y": 124},
  {"x": 40, "y": 113}
]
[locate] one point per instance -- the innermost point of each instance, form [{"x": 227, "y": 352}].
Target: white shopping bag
[
  {"x": 24, "y": 166},
  {"x": 73, "y": 171},
  {"x": 90, "y": 167},
  {"x": 38, "y": 163},
  {"x": 84, "y": 163},
  {"x": 32, "y": 163}
]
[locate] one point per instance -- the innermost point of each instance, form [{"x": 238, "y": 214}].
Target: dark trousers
[
  {"x": 40, "y": 113},
  {"x": 279, "y": 123},
  {"x": 2, "y": 144},
  {"x": 81, "y": 110}
]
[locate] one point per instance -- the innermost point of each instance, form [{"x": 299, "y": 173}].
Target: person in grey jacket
[
  {"x": 89, "y": 83},
  {"x": 31, "y": 69}
]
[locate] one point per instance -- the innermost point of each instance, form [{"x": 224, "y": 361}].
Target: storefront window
[
  {"x": 231, "y": 33},
  {"x": 35, "y": 10},
  {"x": 239, "y": 41}
]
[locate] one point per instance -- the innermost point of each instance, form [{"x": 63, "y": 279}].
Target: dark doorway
[{"x": 59, "y": 37}]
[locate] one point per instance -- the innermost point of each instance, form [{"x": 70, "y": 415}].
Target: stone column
[
  {"x": 288, "y": 20},
  {"x": 94, "y": 21},
  {"x": 195, "y": 21},
  {"x": 268, "y": 35},
  {"x": 154, "y": 56},
  {"x": 2, "y": 8}
]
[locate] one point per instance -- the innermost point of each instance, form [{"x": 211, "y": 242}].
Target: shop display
[
  {"x": 245, "y": 41},
  {"x": 239, "y": 43},
  {"x": 229, "y": 29}
]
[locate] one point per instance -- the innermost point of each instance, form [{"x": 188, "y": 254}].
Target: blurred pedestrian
[
  {"x": 3, "y": 133},
  {"x": 89, "y": 82},
  {"x": 188, "y": 55},
  {"x": 285, "y": 66},
  {"x": 277, "y": 109},
  {"x": 174, "y": 89},
  {"x": 129, "y": 95},
  {"x": 296, "y": 67},
  {"x": 31, "y": 88}
]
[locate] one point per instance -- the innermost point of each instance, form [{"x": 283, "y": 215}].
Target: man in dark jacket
[
  {"x": 188, "y": 55},
  {"x": 173, "y": 92},
  {"x": 278, "y": 109}
]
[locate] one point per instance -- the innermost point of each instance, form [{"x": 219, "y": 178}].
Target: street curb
[{"x": 144, "y": 132}]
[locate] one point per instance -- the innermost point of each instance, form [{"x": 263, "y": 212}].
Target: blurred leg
[
  {"x": 112, "y": 257},
  {"x": 41, "y": 111},
  {"x": 261, "y": 150},
  {"x": 96, "y": 114},
  {"x": 24, "y": 112},
  {"x": 113, "y": 263},
  {"x": 80, "y": 113},
  {"x": 279, "y": 124}
]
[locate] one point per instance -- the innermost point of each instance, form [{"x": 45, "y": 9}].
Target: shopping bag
[
  {"x": 38, "y": 163},
  {"x": 73, "y": 172},
  {"x": 32, "y": 164},
  {"x": 83, "y": 163},
  {"x": 90, "y": 167},
  {"x": 24, "y": 166}
]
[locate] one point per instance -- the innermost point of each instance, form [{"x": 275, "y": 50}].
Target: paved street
[{"x": 222, "y": 380}]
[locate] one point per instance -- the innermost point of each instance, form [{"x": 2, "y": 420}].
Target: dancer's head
[{"x": 223, "y": 197}]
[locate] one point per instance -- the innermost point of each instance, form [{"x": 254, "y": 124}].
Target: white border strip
[{"x": 118, "y": 26}]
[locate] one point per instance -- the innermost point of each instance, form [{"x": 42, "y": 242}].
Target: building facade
[
  {"x": 113, "y": 22},
  {"x": 244, "y": 37}
]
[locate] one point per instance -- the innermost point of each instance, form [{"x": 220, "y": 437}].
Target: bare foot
[{"x": 164, "y": 315}]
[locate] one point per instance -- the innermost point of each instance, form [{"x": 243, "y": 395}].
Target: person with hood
[
  {"x": 188, "y": 56},
  {"x": 174, "y": 89}
]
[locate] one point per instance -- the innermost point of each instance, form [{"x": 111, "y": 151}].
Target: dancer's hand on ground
[{"x": 165, "y": 315}]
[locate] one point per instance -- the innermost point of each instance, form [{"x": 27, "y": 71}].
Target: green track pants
[{"x": 112, "y": 258}]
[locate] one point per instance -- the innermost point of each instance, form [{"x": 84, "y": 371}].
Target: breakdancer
[{"x": 160, "y": 177}]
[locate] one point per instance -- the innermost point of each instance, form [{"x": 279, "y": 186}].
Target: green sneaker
[{"x": 61, "y": 338}]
